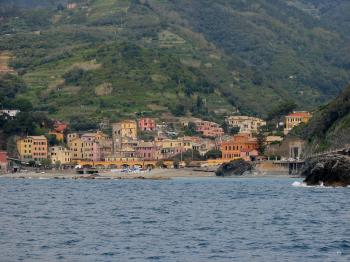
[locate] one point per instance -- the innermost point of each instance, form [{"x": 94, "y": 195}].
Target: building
[
  {"x": 290, "y": 148},
  {"x": 59, "y": 129},
  {"x": 209, "y": 129},
  {"x": 3, "y": 162},
  {"x": 295, "y": 119},
  {"x": 9, "y": 112},
  {"x": 71, "y": 6},
  {"x": 102, "y": 149},
  {"x": 147, "y": 124},
  {"x": 71, "y": 137},
  {"x": 33, "y": 148},
  {"x": 122, "y": 131},
  {"x": 148, "y": 151},
  {"x": 246, "y": 124},
  {"x": 172, "y": 147},
  {"x": 59, "y": 154},
  {"x": 81, "y": 149},
  {"x": 240, "y": 146}
]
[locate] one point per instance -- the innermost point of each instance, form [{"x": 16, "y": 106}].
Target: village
[{"x": 147, "y": 144}]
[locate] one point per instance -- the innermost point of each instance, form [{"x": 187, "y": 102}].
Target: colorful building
[
  {"x": 3, "y": 162},
  {"x": 147, "y": 124},
  {"x": 295, "y": 119},
  {"x": 246, "y": 124},
  {"x": 124, "y": 131},
  {"x": 148, "y": 151},
  {"x": 33, "y": 148},
  {"x": 60, "y": 154},
  {"x": 81, "y": 149},
  {"x": 209, "y": 129},
  {"x": 240, "y": 146}
]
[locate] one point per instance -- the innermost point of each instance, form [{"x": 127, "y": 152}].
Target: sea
[{"x": 190, "y": 219}]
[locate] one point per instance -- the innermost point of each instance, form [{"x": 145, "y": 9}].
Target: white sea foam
[
  {"x": 299, "y": 184},
  {"x": 302, "y": 184}
]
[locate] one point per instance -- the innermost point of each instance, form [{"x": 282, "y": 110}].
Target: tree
[
  {"x": 281, "y": 110},
  {"x": 261, "y": 142},
  {"x": 213, "y": 154},
  {"x": 191, "y": 129}
]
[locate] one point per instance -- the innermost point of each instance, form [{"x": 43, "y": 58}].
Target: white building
[
  {"x": 11, "y": 113},
  {"x": 246, "y": 124}
]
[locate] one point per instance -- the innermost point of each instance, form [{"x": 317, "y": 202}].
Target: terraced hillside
[{"x": 114, "y": 58}]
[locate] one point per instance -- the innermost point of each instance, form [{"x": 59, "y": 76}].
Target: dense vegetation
[
  {"x": 330, "y": 126},
  {"x": 114, "y": 58}
]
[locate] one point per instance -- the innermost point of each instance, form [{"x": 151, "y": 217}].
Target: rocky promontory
[
  {"x": 234, "y": 168},
  {"x": 329, "y": 170}
]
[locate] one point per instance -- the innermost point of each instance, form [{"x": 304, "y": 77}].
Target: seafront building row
[{"x": 124, "y": 142}]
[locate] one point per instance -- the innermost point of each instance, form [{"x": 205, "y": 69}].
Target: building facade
[
  {"x": 33, "y": 148},
  {"x": 148, "y": 151},
  {"x": 295, "y": 119},
  {"x": 209, "y": 129},
  {"x": 147, "y": 124},
  {"x": 240, "y": 145},
  {"x": 60, "y": 154},
  {"x": 122, "y": 132},
  {"x": 246, "y": 124}
]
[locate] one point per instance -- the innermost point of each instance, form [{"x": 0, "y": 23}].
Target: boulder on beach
[
  {"x": 234, "y": 168},
  {"x": 329, "y": 170}
]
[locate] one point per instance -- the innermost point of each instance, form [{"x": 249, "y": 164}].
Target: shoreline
[{"x": 156, "y": 174}]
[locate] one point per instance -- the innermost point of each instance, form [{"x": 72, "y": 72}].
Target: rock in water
[
  {"x": 234, "y": 168},
  {"x": 329, "y": 170}
]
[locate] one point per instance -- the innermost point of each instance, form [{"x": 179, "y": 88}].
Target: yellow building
[
  {"x": 32, "y": 148},
  {"x": 71, "y": 137},
  {"x": 60, "y": 154},
  {"x": 81, "y": 149},
  {"x": 125, "y": 129},
  {"x": 124, "y": 132},
  {"x": 295, "y": 119}
]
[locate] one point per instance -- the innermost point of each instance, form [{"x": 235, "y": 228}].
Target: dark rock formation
[
  {"x": 234, "y": 168},
  {"x": 329, "y": 170}
]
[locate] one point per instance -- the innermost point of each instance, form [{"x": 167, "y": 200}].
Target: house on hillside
[{"x": 295, "y": 119}]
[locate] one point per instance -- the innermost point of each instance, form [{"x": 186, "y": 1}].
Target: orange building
[{"x": 241, "y": 143}]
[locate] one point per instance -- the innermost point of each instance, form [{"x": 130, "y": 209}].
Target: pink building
[
  {"x": 148, "y": 151},
  {"x": 209, "y": 129},
  {"x": 147, "y": 124},
  {"x": 3, "y": 162},
  {"x": 102, "y": 149}
]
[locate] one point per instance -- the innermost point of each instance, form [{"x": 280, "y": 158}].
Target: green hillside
[
  {"x": 115, "y": 58},
  {"x": 330, "y": 126}
]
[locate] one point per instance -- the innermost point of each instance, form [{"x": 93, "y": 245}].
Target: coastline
[{"x": 156, "y": 174}]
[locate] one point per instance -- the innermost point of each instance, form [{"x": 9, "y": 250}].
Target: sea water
[{"x": 245, "y": 219}]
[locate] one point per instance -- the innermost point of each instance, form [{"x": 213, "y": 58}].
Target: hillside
[
  {"x": 115, "y": 58},
  {"x": 330, "y": 126}
]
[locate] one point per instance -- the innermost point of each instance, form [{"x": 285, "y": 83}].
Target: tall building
[
  {"x": 33, "y": 148},
  {"x": 124, "y": 132},
  {"x": 295, "y": 119},
  {"x": 246, "y": 124}
]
